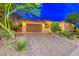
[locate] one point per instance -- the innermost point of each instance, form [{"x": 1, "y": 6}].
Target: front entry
[{"x": 33, "y": 27}]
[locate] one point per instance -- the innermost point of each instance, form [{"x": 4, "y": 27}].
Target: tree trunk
[{"x": 7, "y": 13}]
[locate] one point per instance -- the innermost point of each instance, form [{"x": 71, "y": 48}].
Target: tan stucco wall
[
  {"x": 69, "y": 27},
  {"x": 64, "y": 26},
  {"x": 47, "y": 30},
  {"x": 23, "y": 26}
]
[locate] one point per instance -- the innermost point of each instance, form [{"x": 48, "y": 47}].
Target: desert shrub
[
  {"x": 55, "y": 27},
  {"x": 64, "y": 33},
  {"x": 72, "y": 37},
  {"x": 21, "y": 44},
  {"x": 14, "y": 25},
  {"x": 67, "y": 34},
  {"x": 4, "y": 33},
  {"x": 77, "y": 33}
]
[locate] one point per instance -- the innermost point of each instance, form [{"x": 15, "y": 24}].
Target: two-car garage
[{"x": 33, "y": 27}]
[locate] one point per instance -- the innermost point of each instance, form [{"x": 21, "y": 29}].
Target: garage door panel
[{"x": 34, "y": 28}]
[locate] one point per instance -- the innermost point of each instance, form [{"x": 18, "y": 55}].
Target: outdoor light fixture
[{"x": 24, "y": 24}]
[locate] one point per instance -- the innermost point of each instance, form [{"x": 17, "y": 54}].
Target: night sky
[
  {"x": 53, "y": 11},
  {"x": 58, "y": 11}
]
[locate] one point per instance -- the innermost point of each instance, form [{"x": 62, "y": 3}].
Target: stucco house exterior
[
  {"x": 39, "y": 26},
  {"x": 35, "y": 26},
  {"x": 65, "y": 26}
]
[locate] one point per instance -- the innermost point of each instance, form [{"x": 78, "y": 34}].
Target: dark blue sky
[
  {"x": 58, "y": 11},
  {"x": 54, "y": 11}
]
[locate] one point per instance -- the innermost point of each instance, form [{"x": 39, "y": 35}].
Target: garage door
[{"x": 33, "y": 27}]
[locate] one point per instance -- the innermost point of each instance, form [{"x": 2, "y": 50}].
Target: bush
[
  {"x": 4, "y": 33},
  {"x": 76, "y": 33},
  {"x": 72, "y": 37},
  {"x": 67, "y": 34},
  {"x": 64, "y": 33},
  {"x": 20, "y": 45},
  {"x": 55, "y": 27}
]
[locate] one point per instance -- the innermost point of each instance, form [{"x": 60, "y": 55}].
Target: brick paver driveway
[{"x": 51, "y": 45}]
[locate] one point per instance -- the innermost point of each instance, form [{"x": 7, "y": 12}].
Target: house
[
  {"x": 35, "y": 26},
  {"x": 39, "y": 26},
  {"x": 65, "y": 26}
]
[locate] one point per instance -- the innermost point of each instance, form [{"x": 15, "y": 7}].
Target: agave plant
[{"x": 21, "y": 44}]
